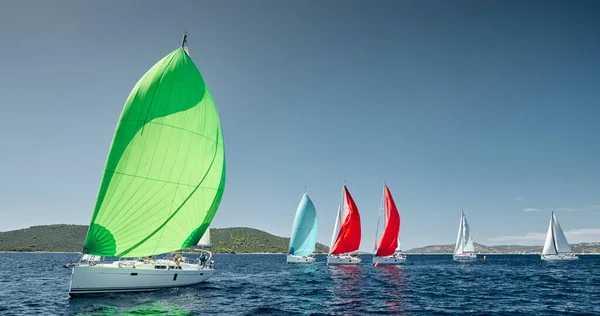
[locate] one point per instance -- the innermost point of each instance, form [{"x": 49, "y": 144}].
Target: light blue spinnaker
[{"x": 304, "y": 231}]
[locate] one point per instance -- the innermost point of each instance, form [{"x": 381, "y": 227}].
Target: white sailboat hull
[
  {"x": 465, "y": 257},
  {"x": 388, "y": 261},
  {"x": 560, "y": 257},
  {"x": 299, "y": 259},
  {"x": 342, "y": 260},
  {"x": 105, "y": 278}
]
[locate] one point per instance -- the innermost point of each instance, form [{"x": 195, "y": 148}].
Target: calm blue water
[{"x": 36, "y": 284}]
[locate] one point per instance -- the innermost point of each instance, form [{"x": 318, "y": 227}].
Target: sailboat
[
  {"x": 465, "y": 249},
  {"x": 304, "y": 233},
  {"x": 204, "y": 240},
  {"x": 346, "y": 233},
  {"x": 556, "y": 246},
  {"x": 387, "y": 251},
  {"x": 161, "y": 187}
]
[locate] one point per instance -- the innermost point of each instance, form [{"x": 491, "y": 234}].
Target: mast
[
  {"x": 381, "y": 209},
  {"x": 553, "y": 234},
  {"x": 459, "y": 237},
  {"x": 464, "y": 223},
  {"x": 184, "y": 43},
  {"x": 338, "y": 219}
]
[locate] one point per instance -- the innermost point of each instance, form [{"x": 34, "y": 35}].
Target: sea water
[{"x": 37, "y": 284}]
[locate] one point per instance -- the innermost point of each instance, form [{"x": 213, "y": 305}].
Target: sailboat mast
[
  {"x": 463, "y": 236},
  {"x": 553, "y": 234},
  {"x": 379, "y": 218},
  {"x": 184, "y": 43},
  {"x": 338, "y": 219}
]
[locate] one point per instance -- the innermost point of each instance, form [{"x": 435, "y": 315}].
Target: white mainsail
[
  {"x": 464, "y": 240},
  {"x": 549, "y": 248},
  {"x": 556, "y": 242},
  {"x": 379, "y": 230},
  {"x": 458, "y": 249},
  {"x": 204, "y": 242},
  {"x": 341, "y": 214}
]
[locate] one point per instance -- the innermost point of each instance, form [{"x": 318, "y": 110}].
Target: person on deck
[
  {"x": 177, "y": 261},
  {"x": 202, "y": 259}
]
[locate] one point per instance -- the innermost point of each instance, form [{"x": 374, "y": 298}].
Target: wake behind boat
[
  {"x": 162, "y": 185},
  {"x": 387, "y": 251},
  {"x": 304, "y": 233},
  {"x": 464, "y": 249},
  {"x": 345, "y": 240},
  {"x": 556, "y": 246}
]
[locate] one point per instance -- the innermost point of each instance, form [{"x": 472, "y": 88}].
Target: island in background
[{"x": 69, "y": 238}]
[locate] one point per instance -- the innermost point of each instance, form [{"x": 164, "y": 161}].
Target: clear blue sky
[{"x": 489, "y": 106}]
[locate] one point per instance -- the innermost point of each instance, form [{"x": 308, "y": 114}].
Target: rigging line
[
  {"x": 553, "y": 234},
  {"x": 381, "y": 208}
]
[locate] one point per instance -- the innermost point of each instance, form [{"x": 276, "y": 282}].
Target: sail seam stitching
[{"x": 172, "y": 215}]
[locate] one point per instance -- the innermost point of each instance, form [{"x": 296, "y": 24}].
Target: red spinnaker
[
  {"x": 389, "y": 240},
  {"x": 348, "y": 239}
]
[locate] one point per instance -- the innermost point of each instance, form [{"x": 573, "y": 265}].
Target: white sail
[
  {"x": 549, "y": 248},
  {"x": 377, "y": 230},
  {"x": 458, "y": 249},
  {"x": 562, "y": 246},
  {"x": 468, "y": 246},
  {"x": 464, "y": 240},
  {"x": 338, "y": 220},
  {"x": 204, "y": 242}
]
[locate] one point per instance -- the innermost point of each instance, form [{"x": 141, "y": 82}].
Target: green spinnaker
[{"x": 165, "y": 172}]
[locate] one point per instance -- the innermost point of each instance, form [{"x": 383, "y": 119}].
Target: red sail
[
  {"x": 389, "y": 239},
  {"x": 348, "y": 239}
]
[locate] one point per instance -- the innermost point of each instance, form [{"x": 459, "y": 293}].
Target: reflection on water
[
  {"x": 265, "y": 284},
  {"x": 160, "y": 307},
  {"x": 347, "y": 286},
  {"x": 393, "y": 295}
]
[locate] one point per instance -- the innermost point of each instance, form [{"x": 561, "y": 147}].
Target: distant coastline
[{"x": 66, "y": 238}]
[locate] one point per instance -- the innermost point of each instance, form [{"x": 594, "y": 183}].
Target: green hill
[
  {"x": 69, "y": 238},
  {"x": 60, "y": 237},
  {"x": 250, "y": 240}
]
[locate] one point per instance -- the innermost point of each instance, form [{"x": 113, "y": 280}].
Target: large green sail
[{"x": 165, "y": 172}]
